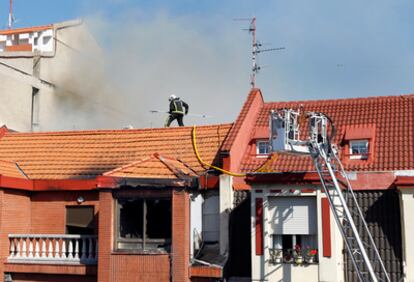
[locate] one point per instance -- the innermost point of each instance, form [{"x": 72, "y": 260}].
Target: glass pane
[
  {"x": 79, "y": 216},
  {"x": 262, "y": 147},
  {"x": 359, "y": 147},
  {"x": 130, "y": 218},
  {"x": 158, "y": 218}
]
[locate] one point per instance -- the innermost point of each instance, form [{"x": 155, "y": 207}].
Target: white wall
[
  {"x": 226, "y": 205},
  {"x": 69, "y": 79},
  {"x": 407, "y": 232},
  {"x": 196, "y": 219},
  {"x": 328, "y": 269}
]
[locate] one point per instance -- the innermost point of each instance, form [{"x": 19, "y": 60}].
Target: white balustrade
[{"x": 53, "y": 248}]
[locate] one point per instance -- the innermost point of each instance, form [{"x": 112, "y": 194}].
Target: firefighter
[{"x": 176, "y": 110}]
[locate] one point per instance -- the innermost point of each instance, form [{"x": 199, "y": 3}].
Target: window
[
  {"x": 293, "y": 229},
  {"x": 143, "y": 224},
  {"x": 35, "y": 108},
  {"x": 358, "y": 149},
  {"x": 262, "y": 147},
  {"x": 79, "y": 220}
]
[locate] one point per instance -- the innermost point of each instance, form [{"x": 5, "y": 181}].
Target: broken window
[
  {"x": 144, "y": 224},
  {"x": 80, "y": 220}
]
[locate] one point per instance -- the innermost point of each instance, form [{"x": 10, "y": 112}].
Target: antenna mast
[
  {"x": 10, "y": 15},
  {"x": 255, "y": 49},
  {"x": 255, "y": 67}
]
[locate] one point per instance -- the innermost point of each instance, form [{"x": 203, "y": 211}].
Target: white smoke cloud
[{"x": 146, "y": 61}]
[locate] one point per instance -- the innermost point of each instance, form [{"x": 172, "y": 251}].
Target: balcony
[{"x": 53, "y": 249}]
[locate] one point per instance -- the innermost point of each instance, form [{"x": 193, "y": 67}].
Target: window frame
[
  {"x": 92, "y": 229},
  {"x": 258, "y": 143},
  {"x": 285, "y": 254},
  {"x": 359, "y": 156},
  {"x": 141, "y": 244}
]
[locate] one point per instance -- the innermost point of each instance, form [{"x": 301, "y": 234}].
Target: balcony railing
[{"x": 53, "y": 248}]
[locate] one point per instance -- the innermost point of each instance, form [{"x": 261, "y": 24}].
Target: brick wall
[
  {"x": 140, "y": 268},
  {"x": 36, "y": 212},
  {"x": 15, "y": 217},
  {"x": 180, "y": 236},
  {"x": 132, "y": 267},
  {"x": 49, "y": 209},
  {"x": 105, "y": 234}
]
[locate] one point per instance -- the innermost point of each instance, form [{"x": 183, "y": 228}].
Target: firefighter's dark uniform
[{"x": 176, "y": 112}]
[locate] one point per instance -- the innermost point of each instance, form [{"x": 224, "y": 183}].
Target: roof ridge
[
  {"x": 106, "y": 131},
  {"x": 228, "y": 143},
  {"x": 178, "y": 172},
  {"x": 21, "y": 171},
  {"x": 3, "y": 131},
  {"x": 353, "y": 99}
]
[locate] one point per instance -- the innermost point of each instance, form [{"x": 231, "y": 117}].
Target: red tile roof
[
  {"x": 156, "y": 166},
  {"x": 86, "y": 154},
  {"x": 392, "y": 117},
  {"x": 11, "y": 169},
  {"x": 240, "y": 119}
]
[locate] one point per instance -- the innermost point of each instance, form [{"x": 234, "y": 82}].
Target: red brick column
[
  {"x": 15, "y": 217},
  {"x": 105, "y": 234},
  {"x": 180, "y": 251}
]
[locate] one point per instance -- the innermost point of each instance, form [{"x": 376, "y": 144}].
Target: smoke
[
  {"x": 82, "y": 96},
  {"x": 143, "y": 62}
]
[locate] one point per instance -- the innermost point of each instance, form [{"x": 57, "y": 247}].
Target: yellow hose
[
  {"x": 209, "y": 165},
  {"x": 262, "y": 168}
]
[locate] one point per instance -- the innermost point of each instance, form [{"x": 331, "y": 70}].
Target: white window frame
[
  {"x": 260, "y": 142},
  {"x": 360, "y": 156},
  {"x": 308, "y": 234}
]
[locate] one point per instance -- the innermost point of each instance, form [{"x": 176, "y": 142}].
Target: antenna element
[{"x": 255, "y": 49}]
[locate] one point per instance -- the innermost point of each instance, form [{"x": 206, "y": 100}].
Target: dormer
[
  {"x": 260, "y": 142},
  {"x": 358, "y": 143}
]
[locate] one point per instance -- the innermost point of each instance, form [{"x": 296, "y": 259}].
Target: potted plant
[
  {"x": 288, "y": 256},
  {"x": 311, "y": 254},
  {"x": 298, "y": 254},
  {"x": 275, "y": 256}
]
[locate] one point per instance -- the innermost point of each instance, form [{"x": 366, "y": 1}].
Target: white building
[
  {"x": 51, "y": 77},
  {"x": 292, "y": 232}
]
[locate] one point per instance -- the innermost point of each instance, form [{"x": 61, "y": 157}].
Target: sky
[{"x": 196, "y": 50}]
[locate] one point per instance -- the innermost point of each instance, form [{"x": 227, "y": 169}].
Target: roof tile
[
  {"x": 86, "y": 154},
  {"x": 391, "y": 116},
  {"x": 156, "y": 166}
]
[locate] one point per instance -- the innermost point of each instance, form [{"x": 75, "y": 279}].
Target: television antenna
[
  {"x": 11, "y": 18},
  {"x": 256, "y": 49}
]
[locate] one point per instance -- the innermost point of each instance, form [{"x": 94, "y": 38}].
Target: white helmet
[{"x": 172, "y": 97}]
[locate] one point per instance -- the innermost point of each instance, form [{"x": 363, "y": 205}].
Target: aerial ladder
[{"x": 286, "y": 137}]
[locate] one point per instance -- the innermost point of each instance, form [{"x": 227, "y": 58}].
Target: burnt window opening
[
  {"x": 80, "y": 220},
  {"x": 144, "y": 224}
]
